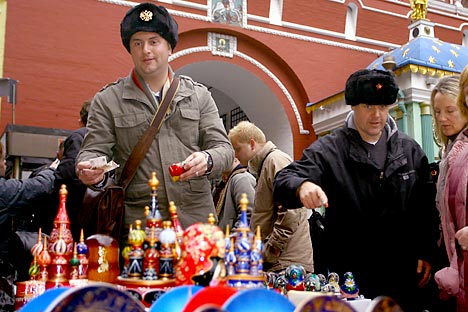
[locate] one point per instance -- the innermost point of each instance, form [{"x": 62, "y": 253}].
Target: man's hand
[
  {"x": 87, "y": 175},
  {"x": 195, "y": 166},
  {"x": 312, "y": 196},
  {"x": 424, "y": 269}
]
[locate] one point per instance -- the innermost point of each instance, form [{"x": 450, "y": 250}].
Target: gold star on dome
[
  {"x": 455, "y": 53},
  {"x": 431, "y": 60},
  {"x": 436, "y": 49},
  {"x": 451, "y": 64},
  {"x": 405, "y": 52},
  {"x": 146, "y": 15}
]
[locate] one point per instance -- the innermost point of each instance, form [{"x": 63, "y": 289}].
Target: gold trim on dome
[
  {"x": 427, "y": 70},
  {"x": 146, "y": 15}
]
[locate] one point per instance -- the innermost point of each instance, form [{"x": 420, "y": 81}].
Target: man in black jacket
[
  {"x": 381, "y": 221},
  {"x": 15, "y": 197}
]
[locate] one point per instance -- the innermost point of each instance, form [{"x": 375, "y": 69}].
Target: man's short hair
[
  {"x": 244, "y": 131},
  {"x": 84, "y": 111}
]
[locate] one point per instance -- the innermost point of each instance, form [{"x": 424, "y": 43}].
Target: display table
[{"x": 299, "y": 297}]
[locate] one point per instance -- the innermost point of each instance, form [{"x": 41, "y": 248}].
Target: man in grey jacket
[
  {"x": 237, "y": 181},
  {"x": 192, "y": 131}
]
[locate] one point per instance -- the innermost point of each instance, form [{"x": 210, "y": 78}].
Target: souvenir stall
[{"x": 168, "y": 268}]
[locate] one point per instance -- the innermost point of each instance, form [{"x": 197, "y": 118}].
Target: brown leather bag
[{"x": 103, "y": 212}]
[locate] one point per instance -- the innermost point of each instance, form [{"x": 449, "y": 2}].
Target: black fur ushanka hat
[
  {"x": 371, "y": 86},
  {"x": 151, "y": 18}
]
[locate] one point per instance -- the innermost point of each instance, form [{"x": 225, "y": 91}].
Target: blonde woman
[{"x": 449, "y": 104}]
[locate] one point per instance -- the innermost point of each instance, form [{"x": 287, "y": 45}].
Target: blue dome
[{"x": 427, "y": 52}]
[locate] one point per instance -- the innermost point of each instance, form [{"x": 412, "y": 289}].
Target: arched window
[{"x": 351, "y": 21}]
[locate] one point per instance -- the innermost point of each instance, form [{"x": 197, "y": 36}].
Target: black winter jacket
[{"x": 379, "y": 222}]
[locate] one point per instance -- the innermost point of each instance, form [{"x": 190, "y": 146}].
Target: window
[
  {"x": 237, "y": 115},
  {"x": 351, "y": 21}
]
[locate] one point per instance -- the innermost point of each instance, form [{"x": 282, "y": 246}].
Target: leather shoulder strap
[{"x": 140, "y": 149}]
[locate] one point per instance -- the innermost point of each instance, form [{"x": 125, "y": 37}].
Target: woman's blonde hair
[
  {"x": 461, "y": 100},
  {"x": 449, "y": 86}
]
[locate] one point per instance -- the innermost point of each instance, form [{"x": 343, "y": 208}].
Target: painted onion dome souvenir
[
  {"x": 61, "y": 225},
  {"x": 166, "y": 254},
  {"x": 38, "y": 246},
  {"x": 58, "y": 268},
  {"x": 256, "y": 258},
  {"x": 74, "y": 263},
  {"x": 152, "y": 213},
  {"x": 44, "y": 260},
  {"x": 34, "y": 269},
  {"x": 151, "y": 258},
  {"x": 179, "y": 231},
  {"x": 83, "y": 251},
  {"x": 136, "y": 239},
  {"x": 246, "y": 271}
]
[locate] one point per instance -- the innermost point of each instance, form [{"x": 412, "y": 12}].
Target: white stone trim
[{"x": 258, "y": 65}]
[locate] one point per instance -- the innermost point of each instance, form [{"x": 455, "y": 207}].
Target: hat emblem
[
  {"x": 378, "y": 86},
  {"x": 146, "y": 15}
]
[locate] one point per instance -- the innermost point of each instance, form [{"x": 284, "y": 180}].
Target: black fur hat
[
  {"x": 151, "y": 18},
  {"x": 373, "y": 87}
]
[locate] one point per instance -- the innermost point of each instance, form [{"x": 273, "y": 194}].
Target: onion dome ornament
[
  {"x": 34, "y": 269},
  {"x": 58, "y": 269},
  {"x": 82, "y": 250},
  {"x": 38, "y": 246},
  {"x": 179, "y": 231},
  {"x": 231, "y": 259},
  {"x": 152, "y": 212},
  {"x": 74, "y": 263},
  {"x": 151, "y": 259},
  {"x": 136, "y": 239},
  {"x": 61, "y": 225},
  {"x": 166, "y": 256},
  {"x": 44, "y": 260}
]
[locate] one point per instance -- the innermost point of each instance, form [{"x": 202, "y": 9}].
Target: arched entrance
[{"x": 253, "y": 79}]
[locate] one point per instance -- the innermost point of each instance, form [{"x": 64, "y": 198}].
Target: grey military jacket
[{"x": 119, "y": 115}]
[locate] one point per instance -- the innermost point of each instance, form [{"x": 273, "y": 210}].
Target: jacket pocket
[
  {"x": 185, "y": 124},
  {"x": 128, "y": 128}
]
